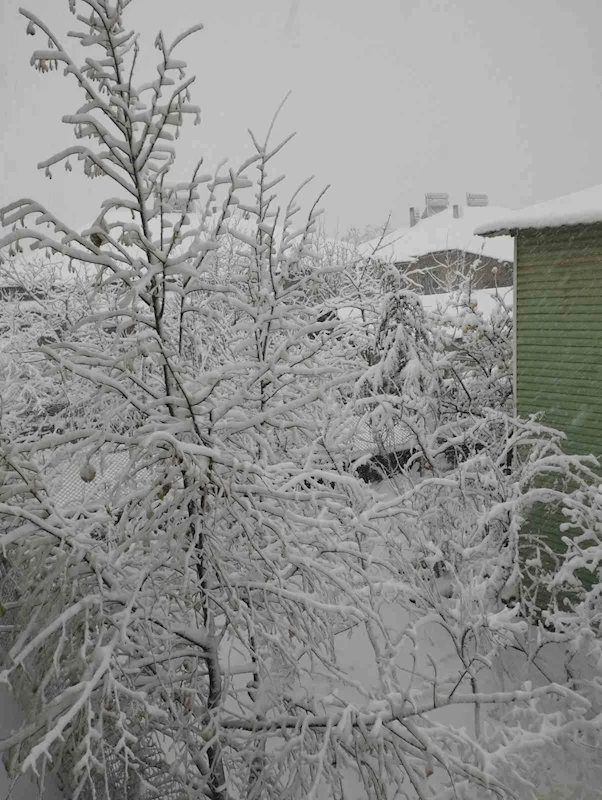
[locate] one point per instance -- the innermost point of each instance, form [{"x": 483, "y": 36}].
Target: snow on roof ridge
[
  {"x": 577, "y": 208},
  {"x": 441, "y": 232}
]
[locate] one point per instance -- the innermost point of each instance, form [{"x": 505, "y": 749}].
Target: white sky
[{"x": 390, "y": 98}]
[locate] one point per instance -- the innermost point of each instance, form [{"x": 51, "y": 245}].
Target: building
[
  {"x": 558, "y": 320},
  {"x": 440, "y": 244},
  {"x": 558, "y": 313}
]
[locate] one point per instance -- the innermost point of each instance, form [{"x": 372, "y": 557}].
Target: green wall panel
[{"x": 558, "y": 318}]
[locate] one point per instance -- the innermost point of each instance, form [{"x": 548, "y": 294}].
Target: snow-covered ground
[
  {"x": 356, "y": 657},
  {"x": 486, "y": 301}
]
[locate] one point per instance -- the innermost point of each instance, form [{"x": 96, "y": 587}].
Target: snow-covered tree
[{"x": 191, "y": 623}]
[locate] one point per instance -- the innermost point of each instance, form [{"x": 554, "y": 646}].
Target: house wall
[
  {"x": 558, "y": 318},
  {"x": 558, "y": 323},
  {"x": 437, "y": 272}
]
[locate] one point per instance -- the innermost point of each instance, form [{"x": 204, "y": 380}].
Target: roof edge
[
  {"x": 515, "y": 229},
  {"x": 489, "y": 233}
]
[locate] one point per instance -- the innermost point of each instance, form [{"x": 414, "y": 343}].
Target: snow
[
  {"x": 390, "y": 247},
  {"x": 578, "y": 208},
  {"x": 356, "y": 656},
  {"x": 436, "y": 646},
  {"x": 482, "y": 300},
  {"x": 69, "y": 488},
  {"x": 36, "y": 269},
  {"x": 11, "y": 718},
  {"x": 367, "y": 442},
  {"x": 442, "y": 232}
]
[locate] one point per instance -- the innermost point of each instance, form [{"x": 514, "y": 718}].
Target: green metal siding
[
  {"x": 558, "y": 318},
  {"x": 558, "y": 311}
]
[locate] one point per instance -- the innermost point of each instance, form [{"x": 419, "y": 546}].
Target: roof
[
  {"x": 443, "y": 232},
  {"x": 388, "y": 247},
  {"x": 578, "y": 208}
]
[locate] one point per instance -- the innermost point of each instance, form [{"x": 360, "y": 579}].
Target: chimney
[
  {"x": 436, "y": 202},
  {"x": 477, "y": 200},
  {"x": 413, "y": 216},
  {"x": 456, "y": 212}
]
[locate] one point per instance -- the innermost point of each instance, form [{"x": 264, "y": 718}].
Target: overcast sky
[{"x": 390, "y": 98}]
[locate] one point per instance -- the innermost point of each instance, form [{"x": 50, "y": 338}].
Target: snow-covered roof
[
  {"x": 390, "y": 247},
  {"x": 578, "y": 208},
  {"x": 443, "y": 231}
]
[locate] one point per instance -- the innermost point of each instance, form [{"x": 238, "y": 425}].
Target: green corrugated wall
[
  {"x": 558, "y": 317},
  {"x": 559, "y": 331}
]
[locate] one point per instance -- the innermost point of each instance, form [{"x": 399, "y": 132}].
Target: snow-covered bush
[
  {"x": 482, "y": 345},
  {"x": 434, "y": 372},
  {"x": 226, "y": 611}
]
